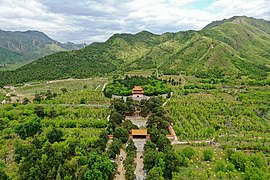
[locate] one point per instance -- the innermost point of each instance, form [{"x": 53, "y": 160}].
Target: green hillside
[
  {"x": 22, "y": 47},
  {"x": 231, "y": 48},
  {"x": 9, "y": 55}
]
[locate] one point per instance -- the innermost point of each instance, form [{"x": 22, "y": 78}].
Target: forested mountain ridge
[
  {"x": 231, "y": 48},
  {"x": 22, "y": 47}
]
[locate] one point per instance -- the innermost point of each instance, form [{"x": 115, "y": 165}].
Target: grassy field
[{"x": 69, "y": 84}]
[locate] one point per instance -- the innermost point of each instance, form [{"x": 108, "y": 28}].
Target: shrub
[
  {"x": 239, "y": 160},
  {"x": 55, "y": 135},
  {"x": 189, "y": 152},
  {"x": 207, "y": 155}
]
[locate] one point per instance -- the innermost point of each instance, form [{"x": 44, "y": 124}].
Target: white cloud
[
  {"x": 229, "y": 8},
  {"x": 96, "y": 20}
]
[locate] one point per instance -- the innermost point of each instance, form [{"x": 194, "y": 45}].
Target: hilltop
[
  {"x": 231, "y": 48},
  {"x": 22, "y": 47}
]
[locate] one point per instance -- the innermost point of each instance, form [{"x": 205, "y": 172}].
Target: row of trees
[{"x": 129, "y": 163}]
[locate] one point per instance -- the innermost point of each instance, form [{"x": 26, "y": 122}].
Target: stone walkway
[
  {"x": 121, "y": 168},
  {"x": 138, "y": 121},
  {"x": 139, "y": 143},
  {"x": 139, "y": 168}
]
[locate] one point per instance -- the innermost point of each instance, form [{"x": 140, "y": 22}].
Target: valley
[
  {"x": 220, "y": 117},
  {"x": 72, "y": 115}
]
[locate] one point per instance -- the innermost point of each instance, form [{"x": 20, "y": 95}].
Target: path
[
  {"x": 63, "y": 80},
  {"x": 121, "y": 168},
  {"x": 139, "y": 168},
  {"x": 97, "y": 87},
  {"x": 167, "y": 99},
  {"x": 195, "y": 142},
  {"x": 78, "y": 105},
  {"x": 103, "y": 88},
  {"x": 139, "y": 143},
  {"x": 175, "y": 136}
]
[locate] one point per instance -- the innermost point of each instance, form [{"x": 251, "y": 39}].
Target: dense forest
[{"x": 123, "y": 87}]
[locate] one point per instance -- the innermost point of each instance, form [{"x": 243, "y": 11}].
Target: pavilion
[{"x": 137, "y": 91}]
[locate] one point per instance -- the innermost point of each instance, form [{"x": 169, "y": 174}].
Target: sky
[{"x": 87, "y": 21}]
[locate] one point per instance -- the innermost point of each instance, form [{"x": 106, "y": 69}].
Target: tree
[
  {"x": 131, "y": 148},
  {"x": 189, "y": 152},
  {"x": 116, "y": 118},
  {"x": 239, "y": 160},
  {"x": 182, "y": 158},
  {"x": 99, "y": 167},
  {"x": 3, "y": 175},
  {"x": 154, "y": 134},
  {"x": 51, "y": 174},
  {"x": 55, "y": 135},
  {"x": 82, "y": 101},
  {"x": 49, "y": 95},
  {"x": 155, "y": 174},
  {"x": 104, "y": 135},
  {"x": 121, "y": 134},
  {"x": 154, "y": 102},
  {"x": 252, "y": 173},
  {"x": 256, "y": 161},
  {"x": 163, "y": 143},
  {"x": 129, "y": 174},
  {"x": 150, "y": 159},
  {"x": 52, "y": 113},
  {"x": 26, "y": 101},
  {"x": 30, "y": 128},
  {"x": 171, "y": 163},
  {"x": 149, "y": 145},
  {"x": 115, "y": 147},
  {"x": 58, "y": 177},
  {"x": 119, "y": 105},
  {"x": 37, "y": 98},
  {"x": 130, "y": 109},
  {"x": 127, "y": 124},
  {"x": 207, "y": 155},
  {"x": 144, "y": 109},
  {"x": 39, "y": 111}
]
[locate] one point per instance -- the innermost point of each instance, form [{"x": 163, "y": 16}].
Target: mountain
[
  {"x": 23, "y": 47},
  {"x": 239, "y": 46}
]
